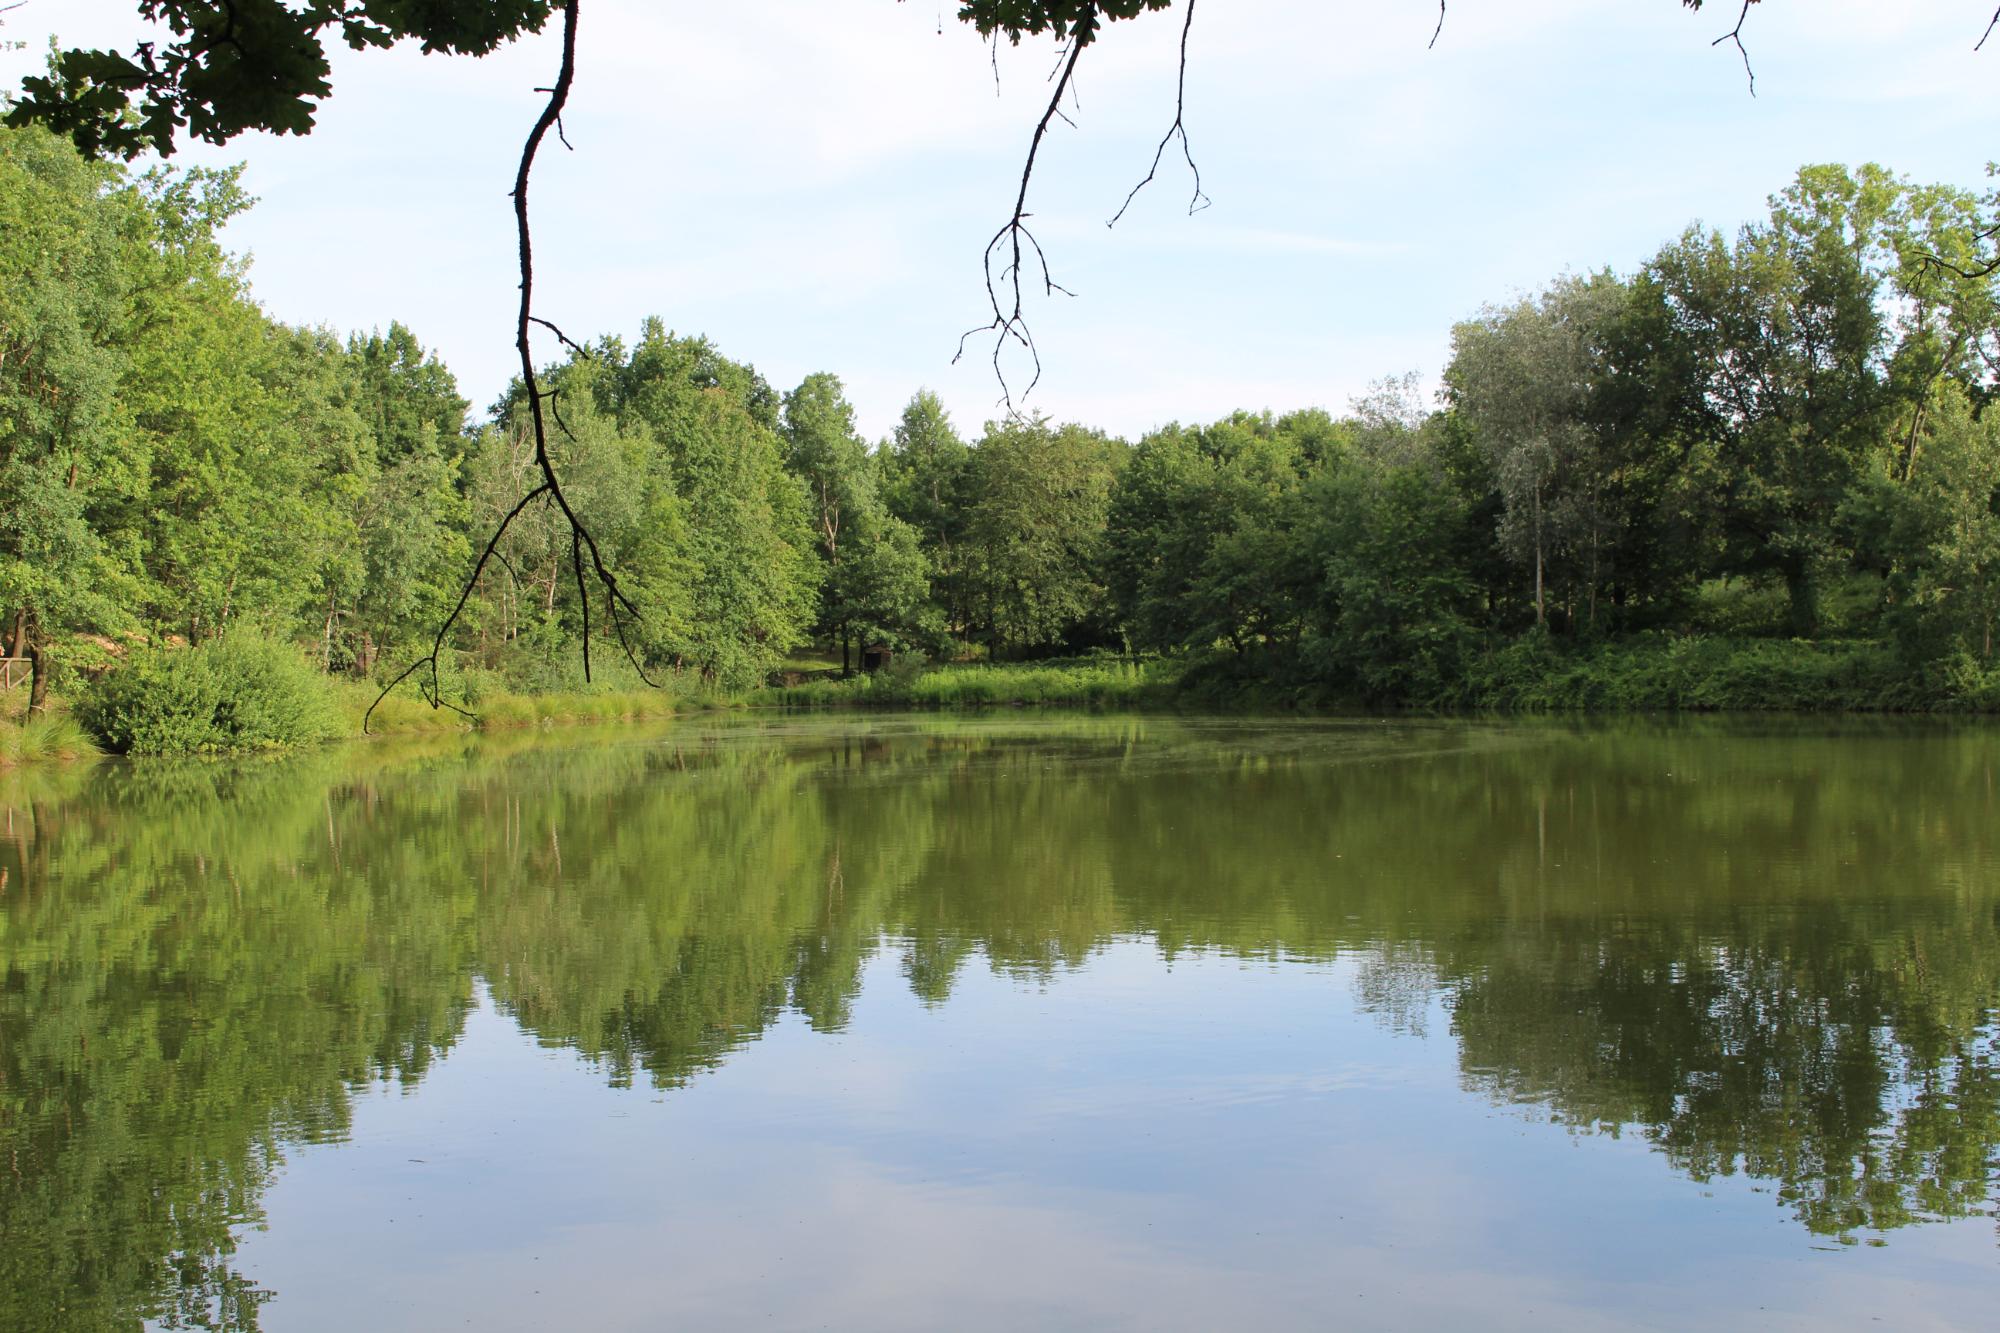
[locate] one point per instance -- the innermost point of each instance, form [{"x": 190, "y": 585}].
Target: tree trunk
[
  {"x": 1803, "y": 590},
  {"x": 18, "y": 634},
  {"x": 1596, "y": 571},
  {"x": 39, "y": 665},
  {"x": 1541, "y": 606},
  {"x": 846, "y": 657}
]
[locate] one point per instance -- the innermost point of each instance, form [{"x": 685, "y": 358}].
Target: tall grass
[
  {"x": 1097, "y": 683},
  {"x": 490, "y": 708},
  {"x": 43, "y": 736}
]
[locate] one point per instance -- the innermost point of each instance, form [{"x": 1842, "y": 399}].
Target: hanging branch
[
  {"x": 1439, "y": 30},
  {"x": 1735, "y": 35},
  {"x": 618, "y": 605},
  {"x": 1009, "y": 322},
  {"x": 1991, "y": 24},
  {"x": 1199, "y": 200},
  {"x": 431, "y": 687}
]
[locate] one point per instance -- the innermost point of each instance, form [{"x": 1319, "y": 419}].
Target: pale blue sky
[{"x": 811, "y": 182}]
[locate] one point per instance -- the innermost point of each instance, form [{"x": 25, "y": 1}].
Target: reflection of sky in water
[{"x": 1203, "y": 1144}]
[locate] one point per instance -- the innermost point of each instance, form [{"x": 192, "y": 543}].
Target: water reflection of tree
[
  {"x": 1645, "y": 932},
  {"x": 1790, "y": 1050},
  {"x": 182, "y": 995}
]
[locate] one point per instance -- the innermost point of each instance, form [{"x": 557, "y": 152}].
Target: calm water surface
[{"x": 1010, "y": 1022}]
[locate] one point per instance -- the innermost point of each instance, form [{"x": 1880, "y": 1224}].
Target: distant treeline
[{"x": 1778, "y": 437}]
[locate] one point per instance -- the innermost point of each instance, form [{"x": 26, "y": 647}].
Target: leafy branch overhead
[{"x": 237, "y": 65}]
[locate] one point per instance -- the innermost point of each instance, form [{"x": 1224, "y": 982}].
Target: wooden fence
[{"x": 14, "y": 671}]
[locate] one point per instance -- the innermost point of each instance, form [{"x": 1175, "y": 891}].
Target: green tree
[
  {"x": 1948, "y": 307},
  {"x": 1394, "y": 619},
  {"x": 412, "y": 525},
  {"x": 1946, "y": 534},
  {"x": 728, "y": 541},
  {"x": 926, "y": 471},
  {"x": 1522, "y": 379},
  {"x": 1205, "y": 542},
  {"x": 1786, "y": 342},
  {"x": 66, "y": 453},
  {"x": 874, "y": 581},
  {"x": 1036, "y": 531},
  {"x": 408, "y": 397},
  {"x": 750, "y": 558},
  {"x": 241, "y": 420}
]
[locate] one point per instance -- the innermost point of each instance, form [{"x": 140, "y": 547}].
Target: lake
[{"x": 1005, "y": 1021}]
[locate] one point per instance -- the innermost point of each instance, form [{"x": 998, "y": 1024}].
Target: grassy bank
[
  {"x": 1653, "y": 673},
  {"x": 227, "y": 708},
  {"x": 406, "y": 713},
  {"x": 1090, "y": 682},
  {"x": 44, "y": 737},
  {"x": 242, "y": 693},
  {"x": 1640, "y": 674},
  {"x": 1697, "y": 674}
]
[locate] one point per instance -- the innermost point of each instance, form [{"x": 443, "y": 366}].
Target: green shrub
[
  {"x": 239, "y": 692},
  {"x": 1663, "y": 673}
]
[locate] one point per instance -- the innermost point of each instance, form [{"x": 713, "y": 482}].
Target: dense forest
[{"x": 1757, "y": 456}]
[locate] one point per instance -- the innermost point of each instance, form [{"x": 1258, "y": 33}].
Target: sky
[{"x": 810, "y": 183}]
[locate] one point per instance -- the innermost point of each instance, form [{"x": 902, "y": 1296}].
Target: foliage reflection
[{"x": 1772, "y": 954}]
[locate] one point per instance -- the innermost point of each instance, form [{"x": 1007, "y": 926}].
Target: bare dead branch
[
  {"x": 562, "y": 337},
  {"x": 1009, "y": 322},
  {"x": 582, "y": 593},
  {"x": 1178, "y": 129},
  {"x": 1440, "y": 28},
  {"x": 550, "y": 485},
  {"x": 433, "y": 688},
  {"x": 1735, "y": 35},
  {"x": 1991, "y": 24}
]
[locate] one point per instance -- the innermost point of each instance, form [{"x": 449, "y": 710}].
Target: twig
[
  {"x": 1199, "y": 200},
  {"x": 1440, "y": 28},
  {"x": 432, "y": 689},
  {"x": 1991, "y": 24},
  {"x": 564, "y": 338},
  {"x": 1985, "y": 270},
  {"x": 1735, "y": 35}
]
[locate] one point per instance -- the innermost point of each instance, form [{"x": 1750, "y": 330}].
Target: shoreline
[{"x": 1634, "y": 677}]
